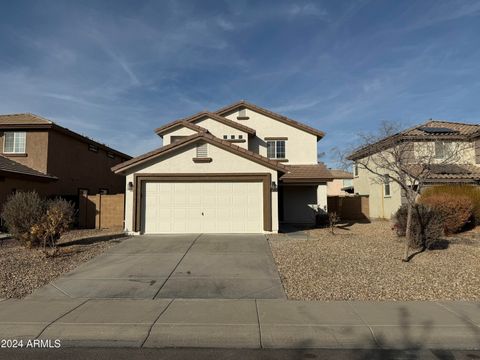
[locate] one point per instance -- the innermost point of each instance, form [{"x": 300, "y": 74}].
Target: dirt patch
[
  {"x": 24, "y": 270},
  {"x": 363, "y": 262}
]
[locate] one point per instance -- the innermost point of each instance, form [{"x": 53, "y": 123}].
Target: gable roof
[
  {"x": 200, "y": 116},
  {"x": 32, "y": 121},
  {"x": 12, "y": 168},
  {"x": 307, "y": 173},
  {"x": 246, "y": 105},
  {"x": 428, "y": 131},
  {"x": 226, "y": 145}
]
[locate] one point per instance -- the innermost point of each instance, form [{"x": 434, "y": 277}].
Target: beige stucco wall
[
  {"x": 181, "y": 131},
  {"x": 181, "y": 162},
  {"x": 219, "y": 129},
  {"x": 381, "y": 207},
  {"x": 301, "y": 147},
  {"x": 334, "y": 188},
  {"x": 464, "y": 152}
]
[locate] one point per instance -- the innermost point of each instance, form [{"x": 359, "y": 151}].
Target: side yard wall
[
  {"x": 101, "y": 211},
  {"x": 350, "y": 207}
]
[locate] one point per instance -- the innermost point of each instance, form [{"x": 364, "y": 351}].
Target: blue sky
[{"x": 115, "y": 70}]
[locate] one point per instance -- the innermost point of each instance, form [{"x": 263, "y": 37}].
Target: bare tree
[{"x": 407, "y": 161}]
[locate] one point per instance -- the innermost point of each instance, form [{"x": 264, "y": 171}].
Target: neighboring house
[
  {"x": 241, "y": 169},
  {"x": 342, "y": 183},
  {"x": 435, "y": 136},
  {"x": 37, "y": 154}
]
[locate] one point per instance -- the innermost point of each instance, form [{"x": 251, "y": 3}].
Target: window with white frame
[
  {"x": 14, "y": 142},
  {"x": 386, "y": 186},
  {"x": 276, "y": 149}
]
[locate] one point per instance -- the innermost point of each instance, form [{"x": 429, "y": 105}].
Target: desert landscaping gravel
[
  {"x": 23, "y": 270},
  {"x": 363, "y": 262}
]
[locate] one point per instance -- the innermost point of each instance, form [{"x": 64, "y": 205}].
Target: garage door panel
[{"x": 192, "y": 207}]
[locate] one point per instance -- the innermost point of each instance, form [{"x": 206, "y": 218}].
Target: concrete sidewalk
[{"x": 211, "y": 323}]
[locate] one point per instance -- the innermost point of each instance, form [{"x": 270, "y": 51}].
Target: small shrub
[
  {"x": 456, "y": 210},
  {"x": 426, "y": 228},
  {"x": 35, "y": 221},
  {"x": 20, "y": 213},
  {"x": 470, "y": 191},
  {"x": 56, "y": 220}
]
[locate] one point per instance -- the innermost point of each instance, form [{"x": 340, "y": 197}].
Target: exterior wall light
[
  {"x": 274, "y": 186},
  {"x": 130, "y": 186}
]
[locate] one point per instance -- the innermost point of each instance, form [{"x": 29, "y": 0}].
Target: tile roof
[
  {"x": 32, "y": 121},
  {"x": 271, "y": 114},
  {"x": 23, "y": 119},
  {"x": 450, "y": 172},
  {"x": 307, "y": 173},
  {"x": 428, "y": 131},
  {"x": 11, "y": 167},
  {"x": 196, "y": 137},
  {"x": 341, "y": 174},
  {"x": 200, "y": 116}
]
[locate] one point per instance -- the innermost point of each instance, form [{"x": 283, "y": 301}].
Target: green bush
[
  {"x": 470, "y": 191},
  {"x": 35, "y": 221},
  {"x": 456, "y": 210},
  {"x": 20, "y": 213},
  {"x": 426, "y": 229}
]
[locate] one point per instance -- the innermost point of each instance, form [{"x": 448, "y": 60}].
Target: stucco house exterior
[
  {"x": 342, "y": 183},
  {"x": 434, "y": 137},
  {"x": 38, "y": 154},
  {"x": 240, "y": 169}
]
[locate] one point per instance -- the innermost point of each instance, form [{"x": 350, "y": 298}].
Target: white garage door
[{"x": 202, "y": 207}]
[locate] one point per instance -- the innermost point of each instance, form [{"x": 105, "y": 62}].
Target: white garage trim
[{"x": 263, "y": 178}]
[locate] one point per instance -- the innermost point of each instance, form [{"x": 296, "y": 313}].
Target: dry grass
[
  {"x": 24, "y": 270},
  {"x": 362, "y": 262}
]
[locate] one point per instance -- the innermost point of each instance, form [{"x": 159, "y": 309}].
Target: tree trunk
[{"x": 408, "y": 234}]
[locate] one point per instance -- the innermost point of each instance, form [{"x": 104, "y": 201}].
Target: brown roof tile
[
  {"x": 307, "y": 173},
  {"x": 200, "y": 116},
  {"x": 244, "y": 104},
  {"x": 201, "y": 136},
  {"x": 460, "y": 131},
  {"x": 439, "y": 173},
  {"x": 340, "y": 174},
  {"x": 23, "y": 119},
  {"x": 11, "y": 167},
  {"x": 32, "y": 121}
]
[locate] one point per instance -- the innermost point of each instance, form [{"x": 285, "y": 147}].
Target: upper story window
[
  {"x": 14, "y": 142},
  {"x": 276, "y": 149},
  {"x": 386, "y": 186},
  {"x": 443, "y": 149},
  {"x": 355, "y": 170}
]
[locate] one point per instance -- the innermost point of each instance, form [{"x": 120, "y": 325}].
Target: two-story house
[
  {"x": 37, "y": 154},
  {"x": 433, "y": 137},
  {"x": 241, "y": 169}
]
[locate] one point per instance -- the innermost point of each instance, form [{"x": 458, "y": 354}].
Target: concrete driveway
[{"x": 176, "y": 266}]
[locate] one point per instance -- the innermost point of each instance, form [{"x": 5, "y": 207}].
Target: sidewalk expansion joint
[
  {"x": 63, "y": 292},
  {"x": 377, "y": 343},
  {"x": 154, "y": 322},
  {"x": 259, "y": 325},
  {"x": 462, "y": 317},
  {"x": 61, "y": 316}
]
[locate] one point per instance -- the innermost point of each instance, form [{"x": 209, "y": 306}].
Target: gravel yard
[
  {"x": 362, "y": 262},
  {"x": 23, "y": 270}
]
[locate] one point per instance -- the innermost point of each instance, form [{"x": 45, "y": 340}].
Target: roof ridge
[
  {"x": 449, "y": 122},
  {"x": 189, "y": 138},
  {"x": 274, "y": 115}
]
